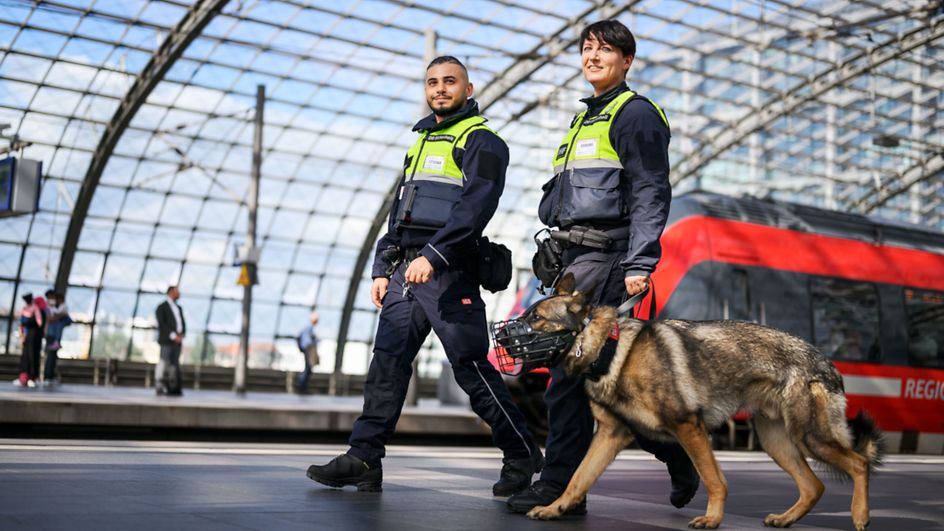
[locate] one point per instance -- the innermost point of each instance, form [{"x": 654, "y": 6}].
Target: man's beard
[{"x": 447, "y": 111}]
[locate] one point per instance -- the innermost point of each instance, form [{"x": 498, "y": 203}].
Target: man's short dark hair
[
  {"x": 448, "y": 59},
  {"x": 612, "y": 32},
  {"x": 170, "y": 288}
]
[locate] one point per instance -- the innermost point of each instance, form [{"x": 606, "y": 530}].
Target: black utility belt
[
  {"x": 491, "y": 262},
  {"x": 604, "y": 240},
  {"x": 397, "y": 255}
]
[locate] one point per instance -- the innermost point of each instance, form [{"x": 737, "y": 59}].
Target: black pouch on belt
[
  {"x": 546, "y": 263},
  {"x": 404, "y": 216},
  {"x": 495, "y": 266}
]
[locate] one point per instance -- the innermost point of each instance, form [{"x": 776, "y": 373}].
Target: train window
[
  {"x": 845, "y": 319},
  {"x": 925, "y": 313}
]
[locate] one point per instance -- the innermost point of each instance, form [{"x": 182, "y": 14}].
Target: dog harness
[{"x": 602, "y": 366}]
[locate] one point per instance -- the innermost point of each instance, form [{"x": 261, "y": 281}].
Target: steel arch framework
[
  {"x": 855, "y": 66},
  {"x": 186, "y": 31}
]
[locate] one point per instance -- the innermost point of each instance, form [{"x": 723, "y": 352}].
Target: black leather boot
[
  {"x": 345, "y": 470},
  {"x": 542, "y": 493},
  {"x": 684, "y": 480},
  {"x": 516, "y": 473}
]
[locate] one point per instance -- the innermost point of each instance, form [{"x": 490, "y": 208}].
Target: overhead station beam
[
  {"x": 800, "y": 94},
  {"x": 189, "y": 28},
  {"x": 918, "y": 173},
  {"x": 544, "y": 52}
]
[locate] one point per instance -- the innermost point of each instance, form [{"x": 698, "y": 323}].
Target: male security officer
[
  {"x": 453, "y": 177},
  {"x": 611, "y": 191}
]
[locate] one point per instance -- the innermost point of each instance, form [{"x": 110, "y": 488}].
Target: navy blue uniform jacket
[
  {"x": 483, "y": 163},
  {"x": 641, "y": 139}
]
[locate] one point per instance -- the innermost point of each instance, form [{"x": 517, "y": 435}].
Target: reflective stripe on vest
[
  {"x": 587, "y": 144},
  {"x": 430, "y": 158}
]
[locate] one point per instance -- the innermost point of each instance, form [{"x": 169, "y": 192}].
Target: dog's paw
[
  {"x": 704, "y": 522},
  {"x": 861, "y": 525},
  {"x": 778, "y": 520},
  {"x": 545, "y": 513}
]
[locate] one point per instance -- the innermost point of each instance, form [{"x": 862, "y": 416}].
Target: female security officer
[{"x": 611, "y": 191}]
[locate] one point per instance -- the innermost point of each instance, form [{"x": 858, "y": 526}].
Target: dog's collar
[{"x": 602, "y": 364}]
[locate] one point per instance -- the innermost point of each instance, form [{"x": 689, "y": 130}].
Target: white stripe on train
[
  {"x": 914, "y": 388},
  {"x": 872, "y": 386},
  {"x": 917, "y": 388}
]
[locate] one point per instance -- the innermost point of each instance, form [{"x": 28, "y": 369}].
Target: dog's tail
[{"x": 868, "y": 440}]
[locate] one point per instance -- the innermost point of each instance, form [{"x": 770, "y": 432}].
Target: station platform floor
[
  {"x": 135, "y": 485},
  {"x": 116, "y": 408}
]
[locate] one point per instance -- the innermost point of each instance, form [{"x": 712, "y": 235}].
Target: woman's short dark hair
[{"x": 612, "y": 32}]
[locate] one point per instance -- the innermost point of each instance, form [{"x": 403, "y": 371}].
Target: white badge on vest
[
  {"x": 586, "y": 148},
  {"x": 434, "y": 162}
]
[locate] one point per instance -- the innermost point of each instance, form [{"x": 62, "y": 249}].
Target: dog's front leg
[
  {"x": 694, "y": 439},
  {"x": 610, "y": 438}
]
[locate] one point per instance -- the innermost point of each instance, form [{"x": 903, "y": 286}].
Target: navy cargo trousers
[{"x": 450, "y": 305}]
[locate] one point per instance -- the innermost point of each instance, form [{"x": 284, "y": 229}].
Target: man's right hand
[{"x": 378, "y": 290}]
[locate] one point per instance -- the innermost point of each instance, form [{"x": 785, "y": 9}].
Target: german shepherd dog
[{"x": 679, "y": 379}]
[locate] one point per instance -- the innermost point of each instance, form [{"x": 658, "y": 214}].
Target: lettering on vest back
[
  {"x": 434, "y": 162},
  {"x": 440, "y": 138}
]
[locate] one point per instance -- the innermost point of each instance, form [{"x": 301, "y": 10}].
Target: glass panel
[
  {"x": 145, "y": 347},
  {"x": 170, "y": 242},
  {"x": 159, "y": 275},
  {"x": 113, "y": 341},
  {"x": 198, "y": 279},
  {"x": 115, "y": 306},
  {"x": 75, "y": 341},
  {"x": 9, "y": 259},
  {"x": 123, "y": 272},
  {"x": 87, "y": 269},
  {"x": 226, "y": 316}
]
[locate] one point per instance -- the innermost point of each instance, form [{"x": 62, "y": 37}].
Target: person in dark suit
[{"x": 171, "y": 328}]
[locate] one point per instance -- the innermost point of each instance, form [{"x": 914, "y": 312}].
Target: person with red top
[{"x": 31, "y": 331}]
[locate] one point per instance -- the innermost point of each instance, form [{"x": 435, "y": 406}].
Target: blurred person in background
[
  {"x": 308, "y": 345},
  {"x": 32, "y": 320},
  {"x": 171, "y": 328},
  {"x": 57, "y": 318}
]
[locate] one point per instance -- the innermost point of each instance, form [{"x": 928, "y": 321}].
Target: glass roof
[{"x": 800, "y": 100}]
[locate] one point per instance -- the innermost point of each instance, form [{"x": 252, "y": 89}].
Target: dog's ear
[
  {"x": 577, "y": 303},
  {"x": 566, "y": 285},
  {"x": 581, "y": 300}
]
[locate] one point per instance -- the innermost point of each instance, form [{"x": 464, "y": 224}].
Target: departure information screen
[{"x": 6, "y": 182}]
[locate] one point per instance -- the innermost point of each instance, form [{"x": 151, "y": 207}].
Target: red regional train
[{"x": 868, "y": 292}]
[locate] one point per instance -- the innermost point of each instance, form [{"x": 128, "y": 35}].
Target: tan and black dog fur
[{"x": 679, "y": 379}]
